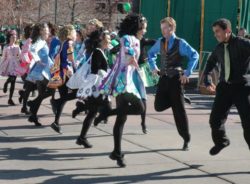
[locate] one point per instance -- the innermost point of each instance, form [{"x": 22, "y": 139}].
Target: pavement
[{"x": 34, "y": 155}]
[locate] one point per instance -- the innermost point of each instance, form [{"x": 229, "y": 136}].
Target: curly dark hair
[
  {"x": 36, "y": 32},
  {"x": 131, "y": 24},
  {"x": 80, "y": 34},
  {"x": 94, "y": 40},
  {"x": 9, "y": 34},
  {"x": 28, "y": 31},
  {"x": 53, "y": 29}
]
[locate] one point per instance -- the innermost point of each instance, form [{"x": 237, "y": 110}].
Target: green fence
[
  {"x": 245, "y": 14},
  {"x": 187, "y": 14}
]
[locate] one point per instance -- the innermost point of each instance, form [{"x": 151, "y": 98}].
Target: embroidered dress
[
  {"x": 25, "y": 58},
  {"x": 124, "y": 77},
  {"x": 43, "y": 63},
  {"x": 10, "y": 60},
  {"x": 67, "y": 59},
  {"x": 98, "y": 70}
]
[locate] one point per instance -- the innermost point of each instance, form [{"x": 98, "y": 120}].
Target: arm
[
  {"x": 4, "y": 55},
  {"x": 35, "y": 48},
  {"x": 152, "y": 54},
  {"x": 211, "y": 63},
  {"x": 192, "y": 55},
  {"x": 129, "y": 50},
  {"x": 127, "y": 45}
]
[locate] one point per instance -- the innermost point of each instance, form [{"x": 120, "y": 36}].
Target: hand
[
  {"x": 69, "y": 72},
  {"x": 211, "y": 88},
  {"x": 156, "y": 72},
  {"x": 184, "y": 79},
  {"x": 134, "y": 62}
]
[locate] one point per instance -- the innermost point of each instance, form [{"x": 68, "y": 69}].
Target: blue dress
[
  {"x": 43, "y": 63},
  {"x": 67, "y": 58},
  {"x": 54, "y": 47},
  {"x": 124, "y": 77}
]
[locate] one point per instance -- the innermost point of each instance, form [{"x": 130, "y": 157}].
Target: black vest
[{"x": 171, "y": 61}]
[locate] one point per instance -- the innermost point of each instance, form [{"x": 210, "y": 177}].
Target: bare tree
[{"x": 19, "y": 12}]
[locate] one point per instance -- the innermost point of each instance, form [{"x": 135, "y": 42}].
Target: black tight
[
  {"x": 92, "y": 105},
  {"x": 127, "y": 104},
  {"x": 12, "y": 81}
]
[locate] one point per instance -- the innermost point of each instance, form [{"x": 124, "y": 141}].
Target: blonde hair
[
  {"x": 65, "y": 32},
  {"x": 170, "y": 21},
  {"x": 96, "y": 22}
]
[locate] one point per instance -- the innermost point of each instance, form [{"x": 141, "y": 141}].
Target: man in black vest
[
  {"x": 172, "y": 76},
  {"x": 232, "y": 54}
]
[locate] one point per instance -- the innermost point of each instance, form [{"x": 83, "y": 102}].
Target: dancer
[
  {"x": 67, "y": 36},
  {"x": 10, "y": 63},
  {"x": 124, "y": 80},
  {"x": 233, "y": 55},
  {"x": 99, "y": 40},
  {"x": 26, "y": 63},
  {"x": 53, "y": 41},
  {"x": 83, "y": 56},
  {"x": 78, "y": 43},
  {"x": 172, "y": 77},
  {"x": 149, "y": 80},
  {"x": 40, "y": 72}
]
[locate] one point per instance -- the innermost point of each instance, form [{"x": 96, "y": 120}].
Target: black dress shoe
[
  {"x": 84, "y": 142},
  {"x": 185, "y": 146},
  {"x": 34, "y": 119},
  {"x": 144, "y": 128},
  {"x": 119, "y": 160},
  {"x": 217, "y": 148},
  {"x": 75, "y": 113},
  {"x": 100, "y": 118},
  {"x": 10, "y": 102},
  {"x": 25, "y": 111},
  {"x": 56, "y": 127}
]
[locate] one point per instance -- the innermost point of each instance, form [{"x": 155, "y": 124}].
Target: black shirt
[
  {"x": 98, "y": 61},
  {"x": 239, "y": 53}
]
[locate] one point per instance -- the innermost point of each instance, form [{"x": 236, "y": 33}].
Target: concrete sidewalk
[{"x": 29, "y": 154}]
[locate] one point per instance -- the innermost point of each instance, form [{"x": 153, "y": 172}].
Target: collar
[{"x": 171, "y": 39}]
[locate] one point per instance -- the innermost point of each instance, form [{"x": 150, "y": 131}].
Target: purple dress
[{"x": 10, "y": 60}]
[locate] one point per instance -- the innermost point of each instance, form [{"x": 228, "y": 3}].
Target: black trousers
[
  {"x": 65, "y": 95},
  {"x": 126, "y": 104},
  {"x": 92, "y": 104},
  {"x": 170, "y": 94},
  {"x": 226, "y": 96},
  {"x": 43, "y": 92}
]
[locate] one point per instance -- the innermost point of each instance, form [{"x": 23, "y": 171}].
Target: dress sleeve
[
  {"x": 4, "y": 55},
  {"x": 129, "y": 50}
]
